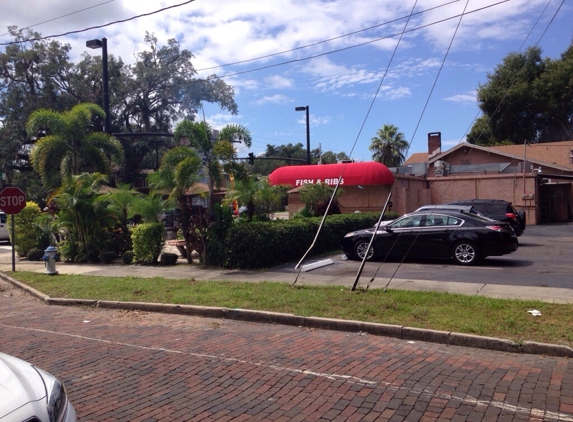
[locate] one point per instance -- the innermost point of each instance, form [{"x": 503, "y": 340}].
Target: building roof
[
  {"x": 417, "y": 157},
  {"x": 557, "y": 153},
  {"x": 353, "y": 174},
  {"x": 548, "y": 154}
]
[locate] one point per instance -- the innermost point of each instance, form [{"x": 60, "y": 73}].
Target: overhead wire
[
  {"x": 451, "y": 182},
  {"x": 62, "y": 16},
  {"x": 314, "y": 56},
  {"x": 299, "y": 264},
  {"x": 327, "y": 40},
  {"x": 100, "y": 26},
  {"x": 413, "y": 136}
]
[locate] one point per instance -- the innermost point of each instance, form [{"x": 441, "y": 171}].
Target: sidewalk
[{"x": 288, "y": 274}]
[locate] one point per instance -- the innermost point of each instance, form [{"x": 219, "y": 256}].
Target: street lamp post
[
  {"x": 103, "y": 45},
  {"x": 305, "y": 108}
]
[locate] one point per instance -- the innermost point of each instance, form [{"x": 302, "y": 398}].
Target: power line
[
  {"x": 63, "y": 16},
  {"x": 354, "y": 45},
  {"x": 100, "y": 26},
  {"x": 327, "y": 40}
]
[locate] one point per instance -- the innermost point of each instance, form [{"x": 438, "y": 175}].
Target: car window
[
  {"x": 496, "y": 209},
  {"x": 439, "y": 220},
  {"x": 436, "y": 220},
  {"x": 453, "y": 221},
  {"x": 411, "y": 221},
  {"x": 3, "y": 218}
]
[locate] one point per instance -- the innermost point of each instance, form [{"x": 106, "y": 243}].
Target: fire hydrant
[{"x": 50, "y": 260}]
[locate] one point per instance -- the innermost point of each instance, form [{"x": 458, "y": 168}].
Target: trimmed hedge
[{"x": 265, "y": 244}]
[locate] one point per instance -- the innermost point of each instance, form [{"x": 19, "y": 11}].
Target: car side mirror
[{"x": 388, "y": 229}]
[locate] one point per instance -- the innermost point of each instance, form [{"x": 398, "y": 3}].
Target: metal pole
[
  {"x": 307, "y": 137},
  {"x": 13, "y": 243},
  {"x": 524, "y": 162},
  {"x": 107, "y": 126},
  {"x": 359, "y": 273}
]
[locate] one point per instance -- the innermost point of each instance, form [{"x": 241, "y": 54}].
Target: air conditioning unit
[{"x": 440, "y": 168}]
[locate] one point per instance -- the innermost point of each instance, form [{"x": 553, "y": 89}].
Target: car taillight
[
  {"x": 496, "y": 228},
  {"x": 511, "y": 215}
]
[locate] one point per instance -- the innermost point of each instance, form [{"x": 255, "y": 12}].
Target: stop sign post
[{"x": 12, "y": 201}]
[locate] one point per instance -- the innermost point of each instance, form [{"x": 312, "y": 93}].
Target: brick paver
[{"x": 135, "y": 366}]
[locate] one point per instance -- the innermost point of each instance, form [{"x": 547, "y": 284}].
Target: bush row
[{"x": 265, "y": 244}]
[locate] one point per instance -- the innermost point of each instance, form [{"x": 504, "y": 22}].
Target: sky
[{"x": 357, "y": 65}]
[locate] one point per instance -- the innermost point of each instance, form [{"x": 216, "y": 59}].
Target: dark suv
[{"x": 498, "y": 209}]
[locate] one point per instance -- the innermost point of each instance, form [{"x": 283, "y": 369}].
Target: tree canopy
[
  {"x": 70, "y": 146},
  {"x": 389, "y": 146},
  {"x": 526, "y": 98},
  {"x": 296, "y": 151},
  {"x": 149, "y": 95}
]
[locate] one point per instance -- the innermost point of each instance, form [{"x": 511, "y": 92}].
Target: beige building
[{"x": 536, "y": 178}]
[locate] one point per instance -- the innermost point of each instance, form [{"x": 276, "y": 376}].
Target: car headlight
[
  {"x": 349, "y": 234},
  {"x": 56, "y": 397}
]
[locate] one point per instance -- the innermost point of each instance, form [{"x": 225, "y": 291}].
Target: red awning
[{"x": 353, "y": 174}]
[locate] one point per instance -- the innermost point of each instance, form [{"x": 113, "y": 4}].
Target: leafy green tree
[
  {"x": 70, "y": 147},
  {"x": 316, "y": 195},
  {"x": 555, "y": 90},
  {"x": 122, "y": 203},
  {"x": 179, "y": 171},
  {"x": 219, "y": 155},
  {"x": 25, "y": 228},
  {"x": 389, "y": 146},
  {"x": 160, "y": 88},
  {"x": 270, "y": 199},
  {"x": 85, "y": 218},
  {"x": 33, "y": 75},
  {"x": 245, "y": 193},
  {"x": 528, "y": 98},
  {"x": 150, "y": 207}
]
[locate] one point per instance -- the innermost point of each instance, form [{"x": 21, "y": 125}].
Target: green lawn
[{"x": 440, "y": 311}]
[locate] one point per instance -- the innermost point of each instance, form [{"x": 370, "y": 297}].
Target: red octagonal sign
[{"x": 12, "y": 200}]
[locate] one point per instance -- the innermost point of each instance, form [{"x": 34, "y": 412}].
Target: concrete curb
[{"x": 386, "y": 330}]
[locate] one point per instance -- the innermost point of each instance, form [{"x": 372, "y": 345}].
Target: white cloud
[
  {"x": 469, "y": 97},
  {"x": 274, "y": 99},
  {"x": 315, "y": 120},
  {"x": 278, "y": 82}
]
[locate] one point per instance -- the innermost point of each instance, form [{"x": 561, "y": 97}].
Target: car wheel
[
  {"x": 360, "y": 248},
  {"x": 465, "y": 253}
]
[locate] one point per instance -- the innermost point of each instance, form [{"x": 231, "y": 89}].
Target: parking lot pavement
[{"x": 137, "y": 366}]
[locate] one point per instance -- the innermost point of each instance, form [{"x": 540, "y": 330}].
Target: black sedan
[{"x": 465, "y": 238}]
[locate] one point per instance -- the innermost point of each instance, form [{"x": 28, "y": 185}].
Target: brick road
[{"x": 134, "y": 366}]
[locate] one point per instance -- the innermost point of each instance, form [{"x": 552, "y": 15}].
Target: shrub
[
  {"x": 264, "y": 244},
  {"x": 148, "y": 241},
  {"x": 107, "y": 257},
  {"x": 127, "y": 257},
  {"x": 168, "y": 258},
  {"x": 25, "y": 229},
  {"x": 35, "y": 254},
  {"x": 216, "y": 249}
]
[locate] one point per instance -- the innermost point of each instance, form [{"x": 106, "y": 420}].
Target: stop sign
[{"x": 12, "y": 200}]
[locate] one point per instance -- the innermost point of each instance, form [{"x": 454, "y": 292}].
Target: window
[{"x": 411, "y": 221}]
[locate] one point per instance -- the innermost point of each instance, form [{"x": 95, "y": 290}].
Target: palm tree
[
  {"x": 219, "y": 155},
  {"x": 245, "y": 192},
  {"x": 84, "y": 217},
  {"x": 70, "y": 146},
  {"x": 180, "y": 169},
  {"x": 389, "y": 146}
]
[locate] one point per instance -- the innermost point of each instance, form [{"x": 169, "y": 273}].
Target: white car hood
[{"x": 16, "y": 389}]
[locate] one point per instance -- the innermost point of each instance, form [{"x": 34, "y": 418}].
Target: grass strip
[{"x": 477, "y": 315}]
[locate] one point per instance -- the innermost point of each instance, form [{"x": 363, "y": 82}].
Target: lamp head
[
  {"x": 94, "y": 44},
  {"x": 301, "y": 108}
]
